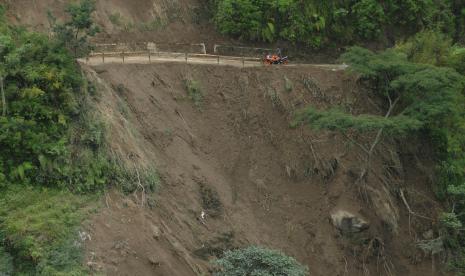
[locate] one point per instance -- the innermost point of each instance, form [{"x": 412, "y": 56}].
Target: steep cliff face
[{"x": 229, "y": 153}]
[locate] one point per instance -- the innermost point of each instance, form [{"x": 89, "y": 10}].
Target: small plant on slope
[
  {"x": 194, "y": 92},
  {"x": 258, "y": 261}
]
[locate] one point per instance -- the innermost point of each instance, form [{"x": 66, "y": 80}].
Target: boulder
[
  {"x": 156, "y": 232},
  {"x": 347, "y": 222}
]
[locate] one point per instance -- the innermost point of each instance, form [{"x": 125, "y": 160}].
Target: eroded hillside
[
  {"x": 168, "y": 21},
  {"x": 221, "y": 139}
]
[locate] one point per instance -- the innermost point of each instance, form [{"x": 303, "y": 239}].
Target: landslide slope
[{"x": 221, "y": 139}]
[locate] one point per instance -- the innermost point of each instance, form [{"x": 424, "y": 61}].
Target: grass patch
[
  {"x": 133, "y": 178},
  {"x": 194, "y": 92},
  {"x": 152, "y": 25},
  {"x": 121, "y": 23},
  {"x": 116, "y": 19},
  {"x": 39, "y": 227},
  {"x": 288, "y": 85}
]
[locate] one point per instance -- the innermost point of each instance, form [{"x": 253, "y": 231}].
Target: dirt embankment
[
  {"x": 232, "y": 155},
  {"x": 163, "y": 21}
]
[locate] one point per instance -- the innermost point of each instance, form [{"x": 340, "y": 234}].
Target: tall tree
[
  {"x": 80, "y": 27},
  {"x": 416, "y": 96}
]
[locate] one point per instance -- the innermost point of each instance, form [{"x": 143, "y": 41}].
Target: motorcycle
[{"x": 274, "y": 59}]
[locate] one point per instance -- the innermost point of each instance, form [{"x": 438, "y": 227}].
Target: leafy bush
[{"x": 258, "y": 261}]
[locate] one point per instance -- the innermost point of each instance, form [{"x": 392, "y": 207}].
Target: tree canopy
[{"x": 318, "y": 23}]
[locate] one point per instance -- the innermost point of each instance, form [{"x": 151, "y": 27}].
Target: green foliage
[
  {"x": 317, "y": 23},
  {"x": 49, "y": 136},
  {"x": 74, "y": 33},
  {"x": 51, "y": 144},
  {"x": 241, "y": 18},
  {"x": 456, "y": 59},
  {"x": 116, "y": 19},
  {"x": 435, "y": 48},
  {"x": 6, "y": 262},
  {"x": 427, "y": 96},
  {"x": 40, "y": 227},
  {"x": 336, "y": 120},
  {"x": 40, "y": 85},
  {"x": 288, "y": 85},
  {"x": 428, "y": 47},
  {"x": 194, "y": 92},
  {"x": 370, "y": 17},
  {"x": 258, "y": 261}
]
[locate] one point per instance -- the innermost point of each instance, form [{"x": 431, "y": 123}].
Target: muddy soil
[{"x": 234, "y": 156}]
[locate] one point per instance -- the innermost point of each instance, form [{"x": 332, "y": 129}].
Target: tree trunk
[{"x": 364, "y": 172}]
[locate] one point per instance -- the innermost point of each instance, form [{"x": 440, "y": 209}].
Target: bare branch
[{"x": 408, "y": 207}]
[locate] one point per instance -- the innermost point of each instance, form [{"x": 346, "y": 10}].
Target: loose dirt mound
[{"x": 221, "y": 140}]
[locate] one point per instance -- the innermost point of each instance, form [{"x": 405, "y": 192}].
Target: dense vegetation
[
  {"x": 42, "y": 102},
  {"x": 318, "y": 23},
  {"x": 52, "y": 147},
  {"x": 258, "y": 261}
]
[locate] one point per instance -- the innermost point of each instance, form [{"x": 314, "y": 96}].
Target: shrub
[
  {"x": 194, "y": 92},
  {"x": 258, "y": 261}
]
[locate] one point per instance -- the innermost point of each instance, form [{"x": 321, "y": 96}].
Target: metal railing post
[
  {"x": 123, "y": 55},
  {"x": 186, "y": 57},
  {"x": 150, "y": 60},
  {"x": 103, "y": 57},
  {"x": 218, "y": 59}
]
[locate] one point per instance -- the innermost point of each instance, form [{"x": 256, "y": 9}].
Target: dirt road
[{"x": 146, "y": 58}]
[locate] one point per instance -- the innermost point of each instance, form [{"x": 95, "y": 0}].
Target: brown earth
[
  {"x": 163, "y": 21},
  {"x": 270, "y": 184}
]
